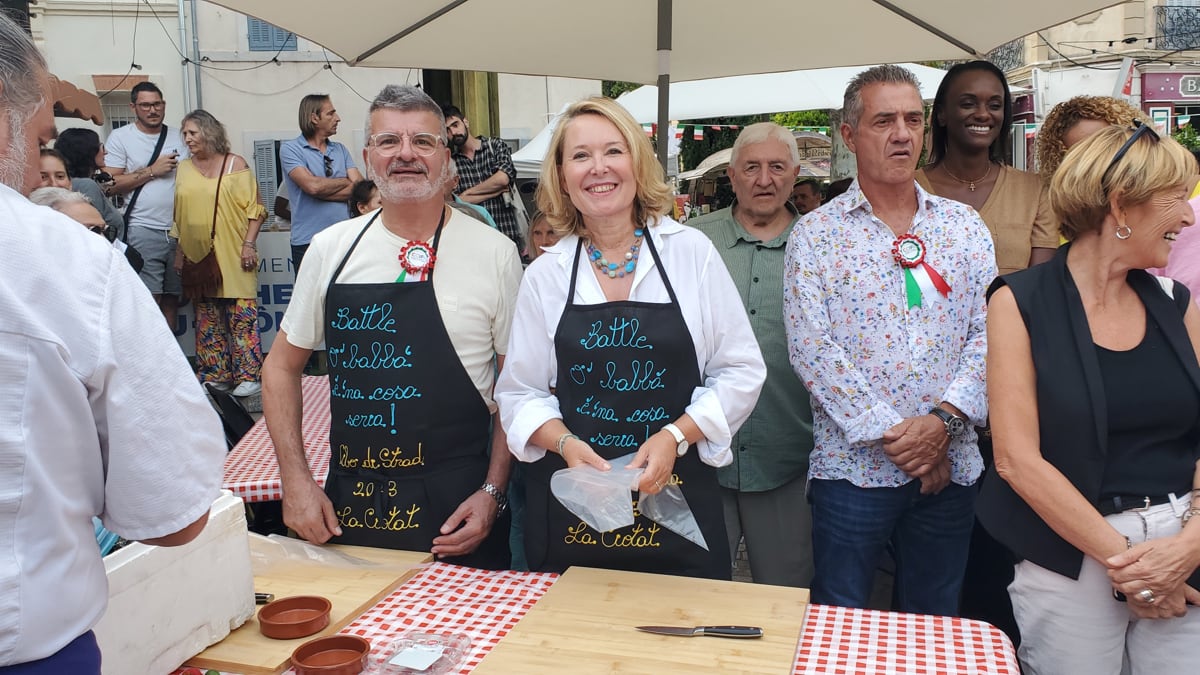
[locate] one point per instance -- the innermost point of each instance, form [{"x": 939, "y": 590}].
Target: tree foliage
[{"x": 614, "y": 88}]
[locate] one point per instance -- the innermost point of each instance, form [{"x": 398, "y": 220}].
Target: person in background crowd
[
  {"x": 1184, "y": 262},
  {"x": 485, "y": 172},
  {"x": 445, "y": 285},
  {"x": 97, "y": 389},
  {"x": 84, "y": 154},
  {"x": 969, "y": 128},
  {"x": 884, "y": 310},
  {"x": 1097, "y": 454},
  {"x": 763, "y": 489},
  {"x": 228, "y": 351},
  {"x": 78, "y": 207},
  {"x": 1074, "y": 120},
  {"x": 318, "y": 171},
  {"x": 54, "y": 170},
  {"x": 283, "y": 207},
  {"x": 806, "y": 196},
  {"x": 364, "y": 198},
  {"x": 141, "y": 158},
  {"x": 541, "y": 236},
  {"x": 474, "y": 210},
  {"x": 836, "y": 188},
  {"x": 667, "y": 290}
]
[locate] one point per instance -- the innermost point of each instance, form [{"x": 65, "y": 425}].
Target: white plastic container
[{"x": 166, "y": 605}]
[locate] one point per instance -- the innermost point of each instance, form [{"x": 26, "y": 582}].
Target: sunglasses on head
[
  {"x": 1139, "y": 130},
  {"x": 328, "y": 166}
]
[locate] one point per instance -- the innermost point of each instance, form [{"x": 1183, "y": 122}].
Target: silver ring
[{"x": 1146, "y": 596}]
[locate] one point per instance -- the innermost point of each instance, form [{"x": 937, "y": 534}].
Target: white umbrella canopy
[
  {"x": 657, "y": 41},
  {"x": 818, "y": 89},
  {"x": 617, "y": 39}
]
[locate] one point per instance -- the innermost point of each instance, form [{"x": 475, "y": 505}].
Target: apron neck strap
[{"x": 353, "y": 246}]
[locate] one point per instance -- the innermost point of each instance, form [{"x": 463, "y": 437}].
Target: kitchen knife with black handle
[{"x": 707, "y": 631}]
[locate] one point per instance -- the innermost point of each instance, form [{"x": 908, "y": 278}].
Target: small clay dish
[
  {"x": 332, "y": 655},
  {"x": 295, "y": 617}
]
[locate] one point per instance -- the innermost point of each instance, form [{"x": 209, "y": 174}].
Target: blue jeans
[{"x": 929, "y": 536}]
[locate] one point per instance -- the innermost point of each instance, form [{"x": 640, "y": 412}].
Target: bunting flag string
[{"x": 699, "y": 129}]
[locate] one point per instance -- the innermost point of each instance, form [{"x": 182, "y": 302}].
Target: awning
[
  {"x": 106, "y": 83},
  {"x": 71, "y": 101}
]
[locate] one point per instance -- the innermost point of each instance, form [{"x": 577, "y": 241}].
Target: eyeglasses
[
  {"x": 147, "y": 107},
  {"x": 103, "y": 230},
  {"x": 389, "y": 145},
  {"x": 328, "y": 166},
  {"x": 1139, "y": 130}
]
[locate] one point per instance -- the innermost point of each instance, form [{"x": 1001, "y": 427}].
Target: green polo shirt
[{"x": 772, "y": 447}]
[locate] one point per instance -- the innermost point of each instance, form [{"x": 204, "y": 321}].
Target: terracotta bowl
[
  {"x": 332, "y": 655},
  {"x": 295, "y": 617}
]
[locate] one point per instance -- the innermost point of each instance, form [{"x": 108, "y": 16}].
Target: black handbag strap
[
  {"x": 162, "y": 139},
  {"x": 217, "y": 199}
]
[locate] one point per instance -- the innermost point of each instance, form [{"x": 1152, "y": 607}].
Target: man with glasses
[
  {"x": 318, "y": 173},
  {"x": 414, "y": 302},
  {"x": 485, "y": 172},
  {"x": 141, "y": 157}
]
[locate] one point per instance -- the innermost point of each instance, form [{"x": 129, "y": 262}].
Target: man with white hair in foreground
[{"x": 100, "y": 414}]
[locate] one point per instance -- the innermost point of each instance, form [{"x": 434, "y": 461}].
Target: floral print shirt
[{"x": 868, "y": 359}]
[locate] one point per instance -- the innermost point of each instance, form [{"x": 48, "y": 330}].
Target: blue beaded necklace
[{"x": 617, "y": 270}]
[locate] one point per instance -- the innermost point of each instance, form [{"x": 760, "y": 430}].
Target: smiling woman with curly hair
[{"x": 1074, "y": 120}]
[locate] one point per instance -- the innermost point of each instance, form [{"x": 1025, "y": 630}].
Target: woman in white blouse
[{"x": 629, "y": 338}]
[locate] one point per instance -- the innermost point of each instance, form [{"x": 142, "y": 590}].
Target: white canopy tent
[
  {"x": 648, "y": 41},
  {"x": 817, "y": 89}
]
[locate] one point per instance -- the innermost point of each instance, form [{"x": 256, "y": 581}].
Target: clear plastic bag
[
  {"x": 450, "y": 650},
  {"x": 599, "y": 498},
  {"x": 670, "y": 509},
  {"x": 267, "y": 553}
]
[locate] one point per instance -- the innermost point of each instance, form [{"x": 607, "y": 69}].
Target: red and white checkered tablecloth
[
  {"x": 450, "y": 599},
  {"x": 843, "y": 641},
  {"x": 251, "y": 471}
]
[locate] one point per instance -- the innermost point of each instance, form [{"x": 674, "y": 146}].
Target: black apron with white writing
[
  {"x": 625, "y": 369},
  {"x": 409, "y": 432}
]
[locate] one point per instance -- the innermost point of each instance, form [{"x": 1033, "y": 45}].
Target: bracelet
[
  {"x": 1187, "y": 515},
  {"x": 250, "y": 244},
  {"x": 562, "y": 442},
  {"x": 497, "y": 494},
  {"x": 151, "y": 172}
]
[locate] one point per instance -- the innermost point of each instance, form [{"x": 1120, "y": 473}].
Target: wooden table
[
  {"x": 251, "y": 471},
  {"x": 585, "y": 624},
  {"x": 351, "y": 589},
  {"x": 520, "y": 622}
]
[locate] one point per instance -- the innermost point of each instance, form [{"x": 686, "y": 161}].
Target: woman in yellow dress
[{"x": 228, "y": 352}]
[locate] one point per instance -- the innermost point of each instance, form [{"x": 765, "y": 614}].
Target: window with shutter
[
  {"x": 263, "y": 37},
  {"x": 266, "y": 173}
]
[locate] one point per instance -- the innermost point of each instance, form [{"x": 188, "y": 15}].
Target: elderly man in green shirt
[{"x": 763, "y": 489}]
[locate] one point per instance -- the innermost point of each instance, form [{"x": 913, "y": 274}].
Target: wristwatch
[
  {"x": 497, "y": 494},
  {"x": 680, "y": 439},
  {"x": 955, "y": 425}
]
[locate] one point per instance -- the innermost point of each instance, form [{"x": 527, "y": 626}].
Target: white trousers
[{"x": 1076, "y": 626}]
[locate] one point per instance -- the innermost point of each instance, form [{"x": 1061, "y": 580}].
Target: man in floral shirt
[{"x": 885, "y": 314}]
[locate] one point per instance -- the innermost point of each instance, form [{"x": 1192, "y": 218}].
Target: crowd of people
[{"x": 981, "y": 379}]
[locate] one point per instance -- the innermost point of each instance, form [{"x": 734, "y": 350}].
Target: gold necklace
[{"x": 970, "y": 183}]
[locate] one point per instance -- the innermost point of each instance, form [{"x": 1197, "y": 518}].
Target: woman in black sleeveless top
[{"x": 1094, "y": 392}]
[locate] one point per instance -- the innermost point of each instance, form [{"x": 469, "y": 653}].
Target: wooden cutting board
[
  {"x": 585, "y": 624},
  {"x": 351, "y": 591}
]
